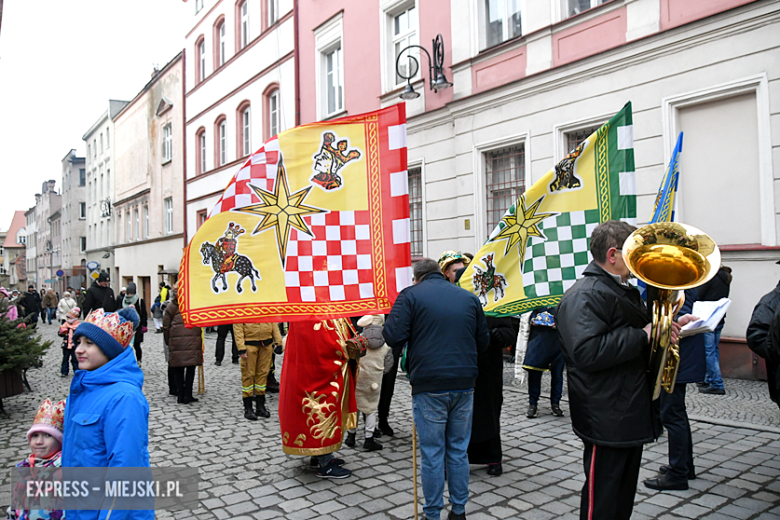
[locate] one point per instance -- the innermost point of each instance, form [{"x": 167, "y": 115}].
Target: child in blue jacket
[{"x": 107, "y": 415}]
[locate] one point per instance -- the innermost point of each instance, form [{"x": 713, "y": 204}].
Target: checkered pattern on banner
[
  {"x": 336, "y": 264},
  {"x": 260, "y": 170},
  {"x": 553, "y": 265}
]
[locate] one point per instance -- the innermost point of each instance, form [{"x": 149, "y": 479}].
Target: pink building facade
[{"x": 530, "y": 79}]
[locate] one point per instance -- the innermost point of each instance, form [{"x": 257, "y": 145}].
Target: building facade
[
  {"x": 531, "y": 79},
  {"x": 149, "y": 162},
  {"x": 239, "y": 84},
  {"x": 74, "y": 220},
  {"x": 48, "y": 204},
  {"x": 31, "y": 247},
  {"x": 100, "y": 191}
]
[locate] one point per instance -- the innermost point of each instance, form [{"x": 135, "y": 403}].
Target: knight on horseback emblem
[
  {"x": 330, "y": 160},
  {"x": 488, "y": 280},
  {"x": 224, "y": 258}
]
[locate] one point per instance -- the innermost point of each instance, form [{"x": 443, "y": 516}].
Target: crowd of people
[{"x": 453, "y": 356}]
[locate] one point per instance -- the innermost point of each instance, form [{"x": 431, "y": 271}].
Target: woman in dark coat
[
  {"x": 185, "y": 349},
  {"x": 131, "y": 298},
  {"x": 485, "y": 444}
]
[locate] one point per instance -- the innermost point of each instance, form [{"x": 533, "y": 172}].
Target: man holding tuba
[{"x": 605, "y": 330}]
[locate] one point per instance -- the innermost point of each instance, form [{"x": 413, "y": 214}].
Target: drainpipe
[{"x": 184, "y": 135}]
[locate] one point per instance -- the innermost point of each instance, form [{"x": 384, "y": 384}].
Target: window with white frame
[
  {"x": 168, "y": 206},
  {"x": 128, "y": 227},
  {"x": 504, "y": 181},
  {"x": 202, "y": 61},
  {"x": 82, "y": 177},
  {"x": 415, "y": 211},
  {"x": 273, "y": 113},
  {"x": 273, "y": 12},
  {"x": 202, "y": 150},
  {"x": 198, "y": 6},
  {"x": 333, "y": 81},
  {"x": 108, "y": 139},
  {"x": 82, "y": 244},
  {"x": 94, "y": 148},
  {"x": 221, "y": 46},
  {"x": 119, "y": 227},
  {"x": 146, "y": 220},
  {"x": 101, "y": 143},
  {"x": 404, "y": 33},
  {"x": 136, "y": 224},
  {"x": 329, "y": 71},
  {"x": 572, "y": 7},
  {"x": 167, "y": 143},
  {"x": 246, "y": 142},
  {"x": 500, "y": 21},
  {"x": 222, "y": 142},
  {"x": 575, "y": 137},
  {"x": 82, "y": 210},
  {"x": 244, "y": 25}
]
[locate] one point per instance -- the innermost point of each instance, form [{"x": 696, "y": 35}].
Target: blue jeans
[
  {"x": 711, "y": 342},
  {"x": 51, "y": 313},
  {"x": 443, "y": 423}
]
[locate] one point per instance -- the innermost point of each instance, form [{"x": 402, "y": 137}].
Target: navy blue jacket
[
  {"x": 445, "y": 329},
  {"x": 693, "y": 361}
]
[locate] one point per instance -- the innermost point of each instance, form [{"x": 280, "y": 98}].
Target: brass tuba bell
[{"x": 669, "y": 257}]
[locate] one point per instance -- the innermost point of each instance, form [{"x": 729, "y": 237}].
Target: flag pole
[{"x": 414, "y": 464}]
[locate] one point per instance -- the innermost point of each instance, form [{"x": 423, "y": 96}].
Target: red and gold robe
[{"x": 317, "y": 394}]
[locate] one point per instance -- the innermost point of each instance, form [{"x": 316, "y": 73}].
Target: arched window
[
  {"x": 242, "y": 24},
  {"x": 200, "y": 61},
  {"x": 243, "y": 129},
  {"x": 272, "y": 119},
  {"x": 220, "y": 43},
  {"x": 220, "y": 141},
  {"x": 200, "y": 151}
]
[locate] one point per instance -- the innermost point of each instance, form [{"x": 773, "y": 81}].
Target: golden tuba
[{"x": 669, "y": 257}]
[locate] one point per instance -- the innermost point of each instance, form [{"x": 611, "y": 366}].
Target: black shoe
[
  {"x": 371, "y": 445},
  {"x": 532, "y": 412},
  {"x": 182, "y": 400},
  {"x": 333, "y": 471},
  {"x": 272, "y": 385},
  {"x": 702, "y": 384},
  {"x": 173, "y": 392},
  {"x": 495, "y": 469},
  {"x": 711, "y": 390},
  {"x": 453, "y": 516},
  {"x": 350, "y": 440},
  {"x": 218, "y": 363},
  {"x": 314, "y": 465},
  {"x": 664, "y": 483},
  {"x": 556, "y": 410},
  {"x": 377, "y": 433},
  {"x": 191, "y": 399},
  {"x": 262, "y": 411},
  {"x": 249, "y": 413},
  {"x": 663, "y": 470},
  {"x": 386, "y": 429}
]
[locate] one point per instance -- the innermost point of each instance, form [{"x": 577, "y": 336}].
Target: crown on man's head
[
  {"x": 117, "y": 327},
  {"x": 337, "y": 152}
]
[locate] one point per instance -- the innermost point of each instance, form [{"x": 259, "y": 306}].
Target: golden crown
[
  {"x": 116, "y": 326},
  {"x": 449, "y": 257},
  {"x": 50, "y": 414}
]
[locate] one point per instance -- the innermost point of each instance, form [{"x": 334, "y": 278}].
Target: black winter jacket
[
  {"x": 610, "y": 393},
  {"x": 693, "y": 360},
  {"x": 445, "y": 330},
  {"x": 31, "y": 302},
  {"x": 99, "y": 297},
  {"x": 758, "y": 328}
]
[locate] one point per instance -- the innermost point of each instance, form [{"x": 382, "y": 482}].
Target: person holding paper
[
  {"x": 713, "y": 291},
  {"x": 674, "y": 417}
]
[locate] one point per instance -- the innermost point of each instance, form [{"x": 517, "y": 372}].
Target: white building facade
[
  {"x": 74, "y": 220},
  {"x": 47, "y": 204},
  {"x": 149, "y": 185},
  {"x": 239, "y": 92},
  {"x": 100, "y": 191}
]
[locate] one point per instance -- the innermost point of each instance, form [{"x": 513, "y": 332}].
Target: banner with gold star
[
  {"x": 542, "y": 243},
  {"x": 315, "y": 225}
]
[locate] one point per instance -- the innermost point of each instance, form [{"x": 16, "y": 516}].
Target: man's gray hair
[
  {"x": 609, "y": 234},
  {"x": 424, "y": 267}
]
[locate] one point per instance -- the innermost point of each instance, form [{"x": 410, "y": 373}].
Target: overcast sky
[{"x": 60, "y": 63}]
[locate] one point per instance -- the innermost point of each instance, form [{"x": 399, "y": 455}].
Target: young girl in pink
[{"x": 68, "y": 345}]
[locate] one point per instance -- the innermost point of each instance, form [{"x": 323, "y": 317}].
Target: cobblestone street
[{"x": 245, "y": 474}]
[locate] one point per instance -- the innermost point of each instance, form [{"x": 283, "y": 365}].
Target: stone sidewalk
[{"x": 246, "y": 475}]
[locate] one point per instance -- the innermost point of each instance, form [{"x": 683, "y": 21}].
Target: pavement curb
[{"x": 734, "y": 424}]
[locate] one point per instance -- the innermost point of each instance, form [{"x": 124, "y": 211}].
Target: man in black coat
[
  {"x": 31, "y": 303},
  {"x": 99, "y": 296},
  {"x": 605, "y": 331},
  {"x": 758, "y": 335}
]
